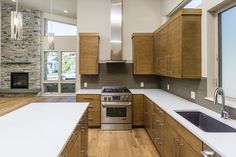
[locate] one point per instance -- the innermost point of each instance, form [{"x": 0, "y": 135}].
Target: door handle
[{"x": 207, "y": 153}]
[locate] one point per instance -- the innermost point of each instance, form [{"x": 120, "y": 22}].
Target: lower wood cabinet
[
  {"x": 170, "y": 138},
  {"x": 94, "y": 110},
  {"x": 77, "y": 145},
  {"x": 138, "y": 115}
]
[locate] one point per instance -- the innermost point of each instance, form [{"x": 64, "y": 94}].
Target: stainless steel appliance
[
  {"x": 116, "y": 108},
  {"x": 208, "y": 152}
]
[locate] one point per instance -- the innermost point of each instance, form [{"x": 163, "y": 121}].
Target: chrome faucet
[{"x": 223, "y": 112}]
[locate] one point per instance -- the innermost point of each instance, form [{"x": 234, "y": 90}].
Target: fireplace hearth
[{"x": 19, "y": 80}]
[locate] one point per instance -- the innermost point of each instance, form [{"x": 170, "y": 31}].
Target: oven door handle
[{"x": 116, "y": 104}]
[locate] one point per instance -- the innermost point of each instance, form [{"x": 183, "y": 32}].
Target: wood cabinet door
[
  {"x": 138, "y": 116},
  {"x": 143, "y": 55},
  {"x": 94, "y": 109},
  {"x": 150, "y": 116},
  {"x": 170, "y": 143},
  {"x": 148, "y": 106},
  {"x": 156, "y": 50},
  {"x": 174, "y": 48},
  {"x": 88, "y": 54},
  {"x": 145, "y": 115},
  {"x": 186, "y": 150},
  {"x": 163, "y": 53}
]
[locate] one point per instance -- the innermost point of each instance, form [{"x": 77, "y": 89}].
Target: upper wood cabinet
[
  {"x": 88, "y": 53},
  {"x": 179, "y": 51},
  {"x": 142, "y": 53}
]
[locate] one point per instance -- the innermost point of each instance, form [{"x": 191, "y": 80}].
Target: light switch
[
  {"x": 142, "y": 84},
  {"x": 85, "y": 84},
  {"x": 168, "y": 87},
  {"x": 193, "y": 95}
]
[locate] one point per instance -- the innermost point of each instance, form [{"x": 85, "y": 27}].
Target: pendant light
[
  {"x": 16, "y": 24},
  {"x": 51, "y": 35}
]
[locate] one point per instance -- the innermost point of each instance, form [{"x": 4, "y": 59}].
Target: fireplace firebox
[{"x": 19, "y": 80}]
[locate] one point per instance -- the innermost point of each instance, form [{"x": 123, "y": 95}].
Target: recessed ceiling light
[
  {"x": 66, "y": 11},
  {"x": 13, "y": 0}
]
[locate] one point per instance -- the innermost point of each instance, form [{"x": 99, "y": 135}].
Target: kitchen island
[{"x": 43, "y": 130}]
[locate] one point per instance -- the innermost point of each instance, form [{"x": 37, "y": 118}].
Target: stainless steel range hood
[{"x": 116, "y": 41}]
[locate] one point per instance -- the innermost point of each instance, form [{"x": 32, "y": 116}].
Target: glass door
[{"x": 59, "y": 72}]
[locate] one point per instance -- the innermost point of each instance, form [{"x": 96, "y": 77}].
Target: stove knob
[{"x": 105, "y": 99}]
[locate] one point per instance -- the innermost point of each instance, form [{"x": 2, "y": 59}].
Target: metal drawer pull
[{"x": 207, "y": 153}]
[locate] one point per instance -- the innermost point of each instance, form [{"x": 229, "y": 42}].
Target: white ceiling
[{"x": 44, "y": 5}]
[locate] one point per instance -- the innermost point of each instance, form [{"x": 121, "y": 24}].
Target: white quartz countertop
[
  {"x": 89, "y": 91},
  {"x": 38, "y": 129},
  {"x": 223, "y": 143}
]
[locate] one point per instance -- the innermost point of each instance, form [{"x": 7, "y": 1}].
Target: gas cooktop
[{"x": 115, "y": 90}]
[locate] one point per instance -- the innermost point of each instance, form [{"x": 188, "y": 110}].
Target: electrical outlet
[
  {"x": 142, "y": 84},
  {"x": 168, "y": 87},
  {"x": 193, "y": 95},
  {"x": 85, "y": 84}
]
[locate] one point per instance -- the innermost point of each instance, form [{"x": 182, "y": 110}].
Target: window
[
  {"x": 59, "y": 72},
  {"x": 59, "y": 28},
  {"x": 227, "y": 51},
  {"x": 193, "y": 4}
]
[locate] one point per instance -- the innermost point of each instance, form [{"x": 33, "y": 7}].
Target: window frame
[
  {"x": 46, "y": 28},
  {"x": 59, "y": 81},
  {"x": 219, "y": 56}
]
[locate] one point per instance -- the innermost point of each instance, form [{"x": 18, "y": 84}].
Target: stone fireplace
[
  {"x": 19, "y": 80},
  {"x": 20, "y": 60}
]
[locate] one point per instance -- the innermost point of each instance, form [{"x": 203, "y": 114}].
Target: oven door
[{"x": 116, "y": 113}]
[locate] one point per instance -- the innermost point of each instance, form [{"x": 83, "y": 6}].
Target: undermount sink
[{"x": 205, "y": 122}]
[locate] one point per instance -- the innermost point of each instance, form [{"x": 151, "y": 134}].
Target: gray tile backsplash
[
  {"x": 118, "y": 75},
  {"x": 122, "y": 75},
  {"x": 183, "y": 88}
]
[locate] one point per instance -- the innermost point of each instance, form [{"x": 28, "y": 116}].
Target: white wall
[{"x": 138, "y": 16}]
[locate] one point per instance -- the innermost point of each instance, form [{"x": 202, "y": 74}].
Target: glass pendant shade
[
  {"x": 16, "y": 25},
  {"x": 51, "y": 44}
]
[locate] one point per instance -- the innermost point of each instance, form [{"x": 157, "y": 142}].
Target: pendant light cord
[
  {"x": 51, "y": 16},
  {"x": 17, "y": 6}
]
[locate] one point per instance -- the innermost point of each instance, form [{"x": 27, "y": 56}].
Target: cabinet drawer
[
  {"x": 94, "y": 119},
  {"x": 87, "y": 97},
  {"x": 94, "y": 106},
  {"x": 184, "y": 133}
]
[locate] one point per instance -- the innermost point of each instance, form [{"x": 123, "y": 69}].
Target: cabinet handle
[
  {"x": 90, "y": 106},
  {"x": 90, "y": 119},
  {"x": 88, "y": 98},
  {"x": 64, "y": 155},
  {"x": 207, "y": 153},
  {"x": 159, "y": 142}
]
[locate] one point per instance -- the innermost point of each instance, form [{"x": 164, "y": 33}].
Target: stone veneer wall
[{"x": 21, "y": 56}]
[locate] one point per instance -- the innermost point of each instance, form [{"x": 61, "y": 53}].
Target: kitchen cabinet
[
  {"x": 142, "y": 53},
  {"x": 138, "y": 110},
  {"x": 75, "y": 146},
  {"x": 156, "y": 50},
  {"x": 88, "y": 53},
  {"x": 175, "y": 145},
  {"x": 179, "y": 52},
  {"x": 148, "y": 112},
  {"x": 94, "y": 109},
  {"x": 158, "y": 129},
  {"x": 170, "y": 137}
]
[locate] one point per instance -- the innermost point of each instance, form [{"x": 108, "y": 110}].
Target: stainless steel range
[{"x": 116, "y": 108}]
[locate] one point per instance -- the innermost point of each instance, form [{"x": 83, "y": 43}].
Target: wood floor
[{"x": 134, "y": 143}]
